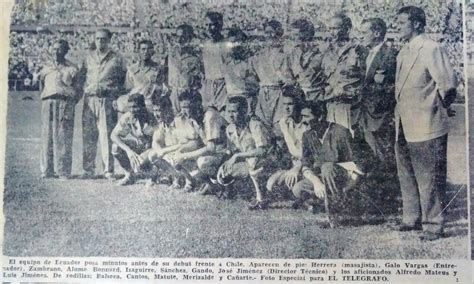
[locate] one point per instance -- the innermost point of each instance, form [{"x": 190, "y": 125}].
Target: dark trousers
[
  {"x": 57, "y": 119},
  {"x": 422, "y": 174}
]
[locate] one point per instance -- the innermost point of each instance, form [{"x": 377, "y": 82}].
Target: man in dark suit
[
  {"x": 378, "y": 99},
  {"x": 376, "y": 111}
]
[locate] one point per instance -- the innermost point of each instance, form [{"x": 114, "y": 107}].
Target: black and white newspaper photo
[{"x": 274, "y": 141}]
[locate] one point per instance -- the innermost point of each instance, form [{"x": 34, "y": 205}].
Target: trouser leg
[
  {"x": 408, "y": 182},
  {"x": 267, "y": 108},
  {"x": 90, "y": 134},
  {"x": 106, "y": 121},
  {"x": 46, "y": 161},
  {"x": 209, "y": 165},
  {"x": 429, "y": 164},
  {"x": 302, "y": 187},
  {"x": 214, "y": 94},
  {"x": 174, "y": 100},
  {"x": 63, "y": 143},
  {"x": 258, "y": 175},
  {"x": 122, "y": 158}
]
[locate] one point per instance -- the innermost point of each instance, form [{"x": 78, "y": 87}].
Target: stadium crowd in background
[{"x": 205, "y": 108}]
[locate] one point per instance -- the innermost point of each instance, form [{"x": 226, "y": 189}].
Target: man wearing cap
[
  {"x": 105, "y": 74},
  {"x": 58, "y": 99},
  {"x": 131, "y": 138}
]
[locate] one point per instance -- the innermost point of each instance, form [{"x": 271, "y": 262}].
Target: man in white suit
[{"x": 425, "y": 88}]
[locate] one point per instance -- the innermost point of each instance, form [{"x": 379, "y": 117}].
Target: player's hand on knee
[
  {"x": 135, "y": 159},
  {"x": 291, "y": 177},
  {"x": 328, "y": 174},
  {"x": 319, "y": 189}
]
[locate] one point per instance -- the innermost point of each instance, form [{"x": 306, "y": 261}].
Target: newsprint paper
[{"x": 274, "y": 141}]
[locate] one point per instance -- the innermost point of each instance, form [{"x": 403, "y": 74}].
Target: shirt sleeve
[
  {"x": 230, "y": 142},
  {"x": 198, "y": 130},
  {"x": 212, "y": 126},
  {"x": 259, "y": 133},
  {"x": 308, "y": 155},
  {"x": 123, "y": 127},
  {"x": 128, "y": 85},
  {"x": 440, "y": 69},
  {"x": 158, "y": 136}
]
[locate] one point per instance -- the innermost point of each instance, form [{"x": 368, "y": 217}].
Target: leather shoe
[
  {"x": 258, "y": 205},
  {"x": 406, "y": 228},
  {"x": 430, "y": 236}
]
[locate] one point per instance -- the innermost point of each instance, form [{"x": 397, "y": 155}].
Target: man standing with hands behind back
[{"x": 425, "y": 88}]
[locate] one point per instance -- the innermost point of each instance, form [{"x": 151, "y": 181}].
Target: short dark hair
[
  {"x": 137, "y": 98},
  {"x": 298, "y": 96},
  {"x": 377, "y": 24},
  {"x": 64, "y": 44},
  {"x": 318, "y": 109},
  {"x": 276, "y": 25},
  {"x": 186, "y": 28},
  {"x": 304, "y": 25},
  {"x": 215, "y": 17},
  {"x": 346, "y": 21},
  {"x": 161, "y": 101},
  {"x": 415, "y": 14},
  {"x": 147, "y": 42},
  {"x": 241, "y": 101},
  {"x": 106, "y": 31},
  {"x": 238, "y": 33},
  {"x": 292, "y": 91},
  {"x": 188, "y": 95}
]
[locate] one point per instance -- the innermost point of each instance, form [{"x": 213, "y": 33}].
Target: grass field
[{"x": 97, "y": 218}]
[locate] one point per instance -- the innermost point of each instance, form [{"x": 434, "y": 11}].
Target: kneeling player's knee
[
  {"x": 115, "y": 149},
  {"x": 203, "y": 163},
  {"x": 297, "y": 190}
]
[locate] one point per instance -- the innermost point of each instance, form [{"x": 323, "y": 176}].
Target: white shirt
[{"x": 371, "y": 56}]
